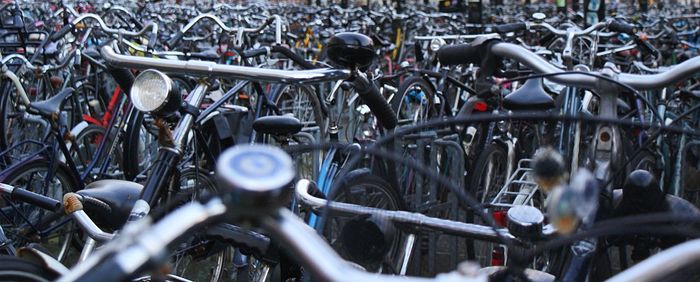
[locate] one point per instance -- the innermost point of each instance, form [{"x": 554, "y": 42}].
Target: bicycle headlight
[
  {"x": 154, "y": 92},
  {"x": 436, "y": 43}
]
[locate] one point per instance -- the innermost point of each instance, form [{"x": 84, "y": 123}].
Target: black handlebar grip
[
  {"x": 458, "y": 54},
  {"x": 647, "y": 48},
  {"x": 174, "y": 40},
  {"x": 617, "y": 26},
  {"x": 293, "y": 56},
  {"x": 253, "y": 53},
  {"x": 152, "y": 38},
  {"x": 369, "y": 93},
  {"x": 61, "y": 33},
  {"x": 36, "y": 199},
  {"x": 123, "y": 77},
  {"x": 506, "y": 28}
]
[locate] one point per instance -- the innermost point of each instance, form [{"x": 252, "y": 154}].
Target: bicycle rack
[
  {"x": 430, "y": 198},
  {"x": 519, "y": 189}
]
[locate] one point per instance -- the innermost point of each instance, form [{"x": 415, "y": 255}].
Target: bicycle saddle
[
  {"x": 52, "y": 105},
  {"x": 530, "y": 96},
  {"x": 277, "y": 125},
  {"x": 110, "y": 201}
]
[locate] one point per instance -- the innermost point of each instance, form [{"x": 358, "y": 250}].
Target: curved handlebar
[
  {"x": 152, "y": 26},
  {"x": 640, "y": 82},
  {"x": 213, "y": 69},
  {"x": 540, "y": 65},
  {"x": 67, "y": 59},
  {"x": 418, "y": 219},
  {"x": 272, "y": 19}
]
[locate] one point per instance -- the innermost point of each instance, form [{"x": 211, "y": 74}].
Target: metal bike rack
[{"x": 429, "y": 198}]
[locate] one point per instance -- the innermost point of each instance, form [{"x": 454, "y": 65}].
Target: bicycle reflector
[
  {"x": 255, "y": 177},
  {"x": 154, "y": 92}
]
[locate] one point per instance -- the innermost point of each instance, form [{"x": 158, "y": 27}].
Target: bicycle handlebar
[
  {"x": 621, "y": 27},
  {"x": 144, "y": 246},
  {"x": 470, "y": 54},
  {"x": 122, "y": 32},
  {"x": 203, "y": 68},
  {"x": 416, "y": 219},
  {"x": 272, "y": 19},
  {"x": 512, "y": 27},
  {"x": 662, "y": 264},
  {"x": 378, "y": 105},
  {"x": 44, "y": 68},
  {"x": 31, "y": 197}
]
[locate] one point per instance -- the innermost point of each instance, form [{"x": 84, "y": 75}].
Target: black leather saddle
[
  {"x": 531, "y": 96},
  {"x": 109, "y": 202},
  {"x": 52, "y": 105},
  {"x": 283, "y": 125}
]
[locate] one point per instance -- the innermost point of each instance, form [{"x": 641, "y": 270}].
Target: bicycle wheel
[
  {"x": 86, "y": 143},
  {"x": 486, "y": 180},
  {"x": 369, "y": 190},
  {"x": 203, "y": 259},
  {"x": 414, "y": 101},
  {"x": 302, "y": 102},
  {"x": 18, "y": 216},
  {"x": 21, "y": 270},
  {"x": 200, "y": 258},
  {"x": 16, "y": 126},
  {"x": 140, "y": 147}
]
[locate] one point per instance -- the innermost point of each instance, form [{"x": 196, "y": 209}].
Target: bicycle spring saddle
[
  {"x": 530, "y": 97},
  {"x": 109, "y": 202}
]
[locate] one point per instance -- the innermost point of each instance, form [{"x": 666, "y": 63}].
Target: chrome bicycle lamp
[
  {"x": 436, "y": 44},
  {"x": 154, "y": 92}
]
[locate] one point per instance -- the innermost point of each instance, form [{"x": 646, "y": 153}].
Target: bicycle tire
[
  {"x": 310, "y": 113},
  {"x": 201, "y": 253},
  {"x": 21, "y": 270},
  {"x": 481, "y": 166},
  {"x": 68, "y": 183},
  {"x": 314, "y": 102},
  {"x": 132, "y": 145},
  {"x": 364, "y": 178},
  {"x": 86, "y": 142},
  {"x": 11, "y": 122},
  {"x": 404, "y": 94}
]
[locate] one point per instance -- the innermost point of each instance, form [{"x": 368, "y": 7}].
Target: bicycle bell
[{"x": 256, "y": 177}]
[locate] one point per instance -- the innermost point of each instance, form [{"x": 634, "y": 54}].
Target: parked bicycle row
[{"x": 155, "y": 141}]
